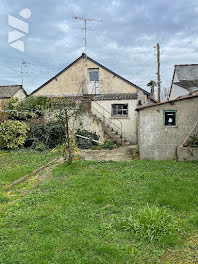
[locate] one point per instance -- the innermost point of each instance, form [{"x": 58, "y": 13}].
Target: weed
[{"x": 154, "y": 224}]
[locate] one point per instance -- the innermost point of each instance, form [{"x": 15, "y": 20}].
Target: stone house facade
[
  {"x": 111, "y": 99},
  {"x": 6, "y": 92},
  {"x": 163, "y": 129}
]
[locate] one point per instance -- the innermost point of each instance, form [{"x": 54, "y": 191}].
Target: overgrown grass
[
  {"x": 154, "y": 224},
  {"x": 99, "y": 212}
]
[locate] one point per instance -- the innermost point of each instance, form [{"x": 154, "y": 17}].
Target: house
[
  {"x": 6, "y": 92},
  {"x": 164, "y": 128},
  {"x": 184, "y": 81},
  {"x": 111, "y": 98}
]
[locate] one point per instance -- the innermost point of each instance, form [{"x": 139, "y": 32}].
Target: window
[
  {"x": 93, "y": 75},
  {"x": 170, "y": 118},
  {"x": 120, "y": 110}
]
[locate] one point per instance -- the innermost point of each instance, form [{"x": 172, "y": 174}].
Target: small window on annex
[
  {"x": 120, "y": 110},
  {"x": 170, "y": 118},
  {"x": 93, "y": 75}
]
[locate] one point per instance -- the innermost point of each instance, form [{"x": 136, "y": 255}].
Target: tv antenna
[
  {"x": 23, "y": 65},
  {"x": 85, "y": 26}
]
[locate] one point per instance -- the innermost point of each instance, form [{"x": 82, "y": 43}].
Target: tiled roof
[
  {"x": 9, "y": 91},
  {"x": 187, "y": 71},
  {"x": 117, "y": 96},
  {"x": 187, "y": 84}
]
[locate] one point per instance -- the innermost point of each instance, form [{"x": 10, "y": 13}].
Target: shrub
[
  {"x": 50, "y": 134},
  {"x": 193, "y": 141},
  {"x": 39, "y": 146},
  {"x": 13, "y": 134},
  {"x": 28, "y": 108},
  {"x": 109, "y": 144},
  {"x": 153, "y": 224}
]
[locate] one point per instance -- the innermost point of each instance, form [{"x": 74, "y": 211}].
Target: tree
[
  {"x": 152, "y": 84},
  {"x": 68, "y": 110}
]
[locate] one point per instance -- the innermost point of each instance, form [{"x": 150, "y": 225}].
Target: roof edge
[
  {"x": 192, "y": 64},
  {"x": 171, "y": 101},
  {"x": 100, "y": 65}
]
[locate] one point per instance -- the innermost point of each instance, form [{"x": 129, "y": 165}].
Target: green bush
[
  {"x": 193, "y": 141},
  {"x": 50, "y": 134},
  {"x": 39, "y": 146},
  {"x": 13, "y": 134},
  {"x": 109, "y": 144},
  {"x": 28, "y": 108},
  {"x": 153, "y": 224}
]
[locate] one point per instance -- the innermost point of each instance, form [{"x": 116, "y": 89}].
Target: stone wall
[
  {"x": 20, "y": 94},
  {"x": 129, "y": 123},
  {"x": 74, "y": 81},
  {"x": 187, "y": 153},
  {"x": 86, "y": 122},
  {"x": 158, "y": 142}
]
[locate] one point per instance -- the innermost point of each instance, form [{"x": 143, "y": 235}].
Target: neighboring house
[
  {"x": 112, "y": 99},
  {"x": 185, "y": 80},
  {"x": 164, "y": 128},
  {"x": 6, "y": 92}
]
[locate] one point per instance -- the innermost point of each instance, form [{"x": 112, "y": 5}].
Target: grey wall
[{"x": 158, "y": 142}]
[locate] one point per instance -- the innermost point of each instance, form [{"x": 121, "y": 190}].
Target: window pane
[
  {"x": 120, "y": 109},
  {"x": 170, "y": 118},
  {"x": 93, "y": 76}
]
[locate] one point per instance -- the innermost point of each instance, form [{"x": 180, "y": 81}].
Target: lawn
[
  {"x": 106, "y": 212},
  {"x": 16, "y": 164}
]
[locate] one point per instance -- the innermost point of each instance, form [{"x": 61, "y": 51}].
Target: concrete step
[{"x": 126, "y": 153}]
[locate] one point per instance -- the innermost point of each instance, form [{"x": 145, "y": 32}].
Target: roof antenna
[
  {"x": 85, "y": 27},
  {"x": 23, "y": 64}
]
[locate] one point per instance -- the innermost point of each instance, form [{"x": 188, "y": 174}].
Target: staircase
[
  {"x": 114, "y": 135},
  {"x": 111, "y": 128}
]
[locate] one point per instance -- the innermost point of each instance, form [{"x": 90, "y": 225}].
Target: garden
[{"x": 84, "y": 211}]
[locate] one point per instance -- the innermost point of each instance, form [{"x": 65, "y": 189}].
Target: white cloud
[
  {"x": 115, "y": 3},
  {"x": 74, "y": 8},
  {"x": 63, "y": 26}
]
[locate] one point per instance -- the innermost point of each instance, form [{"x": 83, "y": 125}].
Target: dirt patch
[
  {"x": 33, "y": 179},
  {"x": 187, "y": 255}
]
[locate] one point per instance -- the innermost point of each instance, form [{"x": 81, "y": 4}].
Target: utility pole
[
  {"x": 158, "y": 72},
  {"x": 85, "y": 27}
]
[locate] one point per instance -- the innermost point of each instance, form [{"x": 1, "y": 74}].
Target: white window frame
[
  {"x": 93, "y": 70},
  {"x": 122, "y": 110}
]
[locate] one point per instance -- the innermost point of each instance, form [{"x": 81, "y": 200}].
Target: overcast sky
[{"x": 124, "y": 42}]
